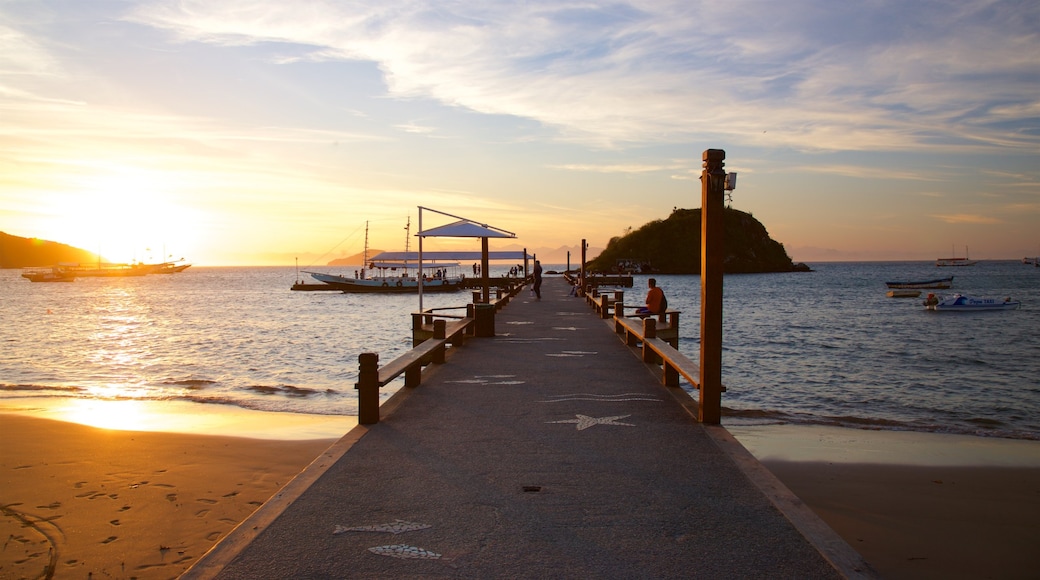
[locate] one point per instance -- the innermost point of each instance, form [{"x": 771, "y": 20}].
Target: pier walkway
[{"x": 548, "y": 451}]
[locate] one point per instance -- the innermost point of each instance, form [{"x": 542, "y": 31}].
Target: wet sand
[
  {"x": 89, "y": 502},
  {"x": 915, "y": 505}
]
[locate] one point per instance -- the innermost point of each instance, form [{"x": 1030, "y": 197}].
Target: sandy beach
[
  {"x": 915, "y": 505},
  {"x": 87, "y": 502},
  {"x": 90, "y": 502}
]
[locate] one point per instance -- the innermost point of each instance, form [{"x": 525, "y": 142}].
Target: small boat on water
[
  {"x": 938, "y": 284},
  {"x": 52, "y": 274},
  {"x": 903, "y": 293},
  {"x": 67, "y": 272},
  {"x": 953, "y": 262},
  {"x": 390, "y": 284},
  {"x": 960, "y": 303},
  {"x": 436, "y": 277}
]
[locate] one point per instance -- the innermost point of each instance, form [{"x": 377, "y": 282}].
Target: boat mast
[
  {"x": 407, "y": 235},
  {"x": 364, "y": 253}
]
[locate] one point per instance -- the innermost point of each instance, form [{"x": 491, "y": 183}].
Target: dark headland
[{"x": 673, "y": 246}]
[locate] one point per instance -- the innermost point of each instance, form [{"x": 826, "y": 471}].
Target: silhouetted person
[{"x": 538, "y": 279}]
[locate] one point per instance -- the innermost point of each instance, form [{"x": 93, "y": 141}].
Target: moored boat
[
  {"x": 953, "y": 262},
  {"x": 441, "y": 277},
  {"x": 961, "y": 303},
  {"x": 903, "y": 293},
  {"x": 52, "y": 274},
  {"x": 938, "y": 284},
  {"x": 389, "y": 284}
]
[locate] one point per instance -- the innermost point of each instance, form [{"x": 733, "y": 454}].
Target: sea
[{"x": 826, "y": 347}]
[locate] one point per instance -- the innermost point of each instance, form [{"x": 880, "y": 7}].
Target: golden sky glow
[{"x": 257, "y": 132}]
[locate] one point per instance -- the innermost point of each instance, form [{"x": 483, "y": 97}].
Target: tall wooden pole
[
  {"x": 486, "y": 282},
  {"x": 581, "y": 274},
  {"x": 713, "y": 179}
]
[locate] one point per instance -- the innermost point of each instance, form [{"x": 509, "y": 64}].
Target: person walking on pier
[
  {"x": 656, "y": 303},
  {"x": 537, "y": 280}
]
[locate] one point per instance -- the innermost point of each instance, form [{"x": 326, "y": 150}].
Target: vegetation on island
[
  {"x": 18, "y": 252},
  {"x": 673, "y": 246}
]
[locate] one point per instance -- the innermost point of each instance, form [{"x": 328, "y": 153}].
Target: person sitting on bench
[{"x": 656, "y": 303}]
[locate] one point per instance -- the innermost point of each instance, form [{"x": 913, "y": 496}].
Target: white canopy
[{"x": 465, "y": 229}]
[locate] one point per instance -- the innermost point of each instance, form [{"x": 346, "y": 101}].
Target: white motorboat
[{"x": 961, "y": 303}]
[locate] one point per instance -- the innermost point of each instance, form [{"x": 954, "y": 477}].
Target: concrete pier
[{"x": 549, "y": 450}]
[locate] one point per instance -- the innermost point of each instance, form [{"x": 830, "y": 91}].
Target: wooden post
[
  {"x": 417, "y": 329},
  {"x": 673, "y": 324},
  {"x": 713, "y": 178},
  {"x": 649, "y": 331},
  {"x": 438, "y": 334},
  {"x": 581, "y": 276},
  {"x": 484, "y": 270},
  {"x": 368, "y": 388}
]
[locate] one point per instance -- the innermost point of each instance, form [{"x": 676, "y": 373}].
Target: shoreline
[
  {"x": 914, "y": 505},
  {"x": 182, "y": 417},
  {"x": 81, "y": 499}
]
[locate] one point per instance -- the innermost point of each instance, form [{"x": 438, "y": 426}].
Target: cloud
[
  {"x": 616, "y": 168},
  {"x": 806, "y": 74},
  {"x": 962, "y": 218}
]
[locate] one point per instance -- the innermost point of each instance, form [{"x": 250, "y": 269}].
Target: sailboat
[
  {"x": 965, "y": 261},
  {"x": 436, "y": 277}
]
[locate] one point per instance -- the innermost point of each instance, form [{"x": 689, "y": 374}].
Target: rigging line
[{"x": 333, "y": 249}]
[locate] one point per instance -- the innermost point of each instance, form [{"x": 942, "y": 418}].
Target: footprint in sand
[
  {"x": 212, "y": 536},
  {"x": 163, "y": 485},
  {"x": 202, "y": 513},
  {"x": 171, "y": 497},
  {"x": 79, "y": 484},
  {"x": 52, "y": 506},
  {"x": 232, "y": 494},
  {"x": 206, "y": 500},
  {"x": 114, "y": 522},
  {"x": 124, "y": 508},
  {"x": 109, "y": 539}
]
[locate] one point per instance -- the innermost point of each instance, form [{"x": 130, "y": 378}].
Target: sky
[{"x": 247, "y": 132}]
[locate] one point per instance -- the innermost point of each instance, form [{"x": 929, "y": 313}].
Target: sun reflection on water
[
  {"x": 125, "y": 415},
  {"x": 190, "y": 418}
]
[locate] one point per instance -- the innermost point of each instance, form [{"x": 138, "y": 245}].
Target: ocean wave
[
  {"x": 37, "y": 388},
  {"x": 196, "y": 383},
  {"x": 287, "y": 390},
  {"x": 990, "y": 428}
]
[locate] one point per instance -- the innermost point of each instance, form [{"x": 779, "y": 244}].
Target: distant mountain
[
  {"x": 357, "y": 259},
  {"x": 17, "y": 252},
  {"x": 673, "y": 246}
]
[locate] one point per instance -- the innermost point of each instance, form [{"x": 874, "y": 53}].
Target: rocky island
[{"x": 673, "y": 246}]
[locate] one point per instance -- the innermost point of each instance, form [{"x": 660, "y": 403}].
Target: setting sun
[{"x": 124, "y": 216}]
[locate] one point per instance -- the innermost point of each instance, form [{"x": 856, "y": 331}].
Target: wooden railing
[
  {"x": 658, "y": 339},
  {"x": 432, "y": 333},
  {"x": 371, "y": 376}
]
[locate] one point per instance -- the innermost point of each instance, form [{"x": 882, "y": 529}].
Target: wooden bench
[
  {"x": 371, "y": 376},
  {"x": 604, "y": 303},
  {"x": 667, "y": 324},
  {"x": 646, "y": 334}
]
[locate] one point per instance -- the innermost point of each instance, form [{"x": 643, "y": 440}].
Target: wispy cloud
[
  {"x": 962, "y": 218},
  {"x": 812, "y": 74},
  {"x": 616, "y": 168}
]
